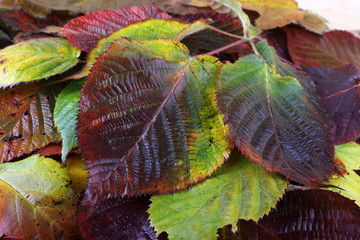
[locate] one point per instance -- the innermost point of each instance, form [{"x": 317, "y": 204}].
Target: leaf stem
[
  {"x": 252, "y": 44},
  {"x": 225, "y": 33},
  {"x": 234, "y": 44}
]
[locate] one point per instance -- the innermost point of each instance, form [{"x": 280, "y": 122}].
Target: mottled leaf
[
  {"x": 36, "y": 59},
  {"x": 76, "y": 167},
  {"x": 274, "y": 122},
  {"x": 65, "y": 114},
  {"x": 239, "y": 189},
  {"x": 36, "y": 202},
  {"x": 85, "y": 31},
  {"x": 21, "y": 19},
  {"x": 339, "y": 90},
  {"x": 333, "y": 49},
  {"x": 349, "y": 184},
  {"x": 286, "y": 68},
  {"x": 146, "y": 30},
  {"x": 26, "y": 122},
  {"x": 148, "y": 120},
  {"x": 117, "y": 218},
  {"x": 312, "y": 214}
]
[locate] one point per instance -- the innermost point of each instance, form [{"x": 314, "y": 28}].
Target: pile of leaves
[{"x": 137, "y": 123}]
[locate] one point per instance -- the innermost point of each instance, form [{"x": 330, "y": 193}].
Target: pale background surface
[{"x": 340, "y": 14}]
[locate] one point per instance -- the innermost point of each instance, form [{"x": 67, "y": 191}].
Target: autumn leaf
[
  {"x": 150, "y": 93},
  {"x": 65, "y": 114},
  {"x": 85, "y": 31},
  {"x": 339, "y": 90},
  {"x": 125, "y": 218},
  {"x": 239, "y": 189},
  {"x": 36, "y": 202},
  {"x": 349, "y": 184},
  {"x": 146, "y": 30},
  {"x": 303, "y": 215},
  {"x": 273, "y": 121},
  {"x": 332, "y": 50},
  {"x": 36, "y": 59},
  {"x": 26, "y": 122},
  {"x": 279, "y": 17}
]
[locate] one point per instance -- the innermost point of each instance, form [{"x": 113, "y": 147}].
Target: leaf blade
[
  {"x": 239, "y": 189},
  {"x": 26, "y": 122},
  {"x": 65, "y": 115},
  {"x": 176, "y": 114},
  {"x": 29, "y": 189},
  {"x": 36, "y": 59},
  {"x": 264, "y": 114}
]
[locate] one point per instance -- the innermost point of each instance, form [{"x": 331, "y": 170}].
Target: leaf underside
[
  {"x": 26, "y": 122},
  {"x": 332, "y": 50},
  {"x": 148, "y": 121},
  {"x": 85, "y": 31},
  {"x": 36, "y": 59},
  {"x": 303, "y": 215},
  {"x": 339, "y": 90},
  {"x": 36, "y": 202},
  {"x": 239, "y": 189},
  {"x": 272, "y": 120}
]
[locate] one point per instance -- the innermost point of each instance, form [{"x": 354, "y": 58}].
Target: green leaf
[
  {"x": 65, "y": 114},
  {"x": 146, "y": 30},
  {"x": 239, "y": 189},
  {"x": 349, "y": 185},
  {"x": 36, "y": 59},
  {"x": 274, "y": 122},
  {"x": 36, "y": 202}
]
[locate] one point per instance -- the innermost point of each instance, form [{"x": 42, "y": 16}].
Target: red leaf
[
  {"x": 21, "y": 19},
  {"x": 339, "y": 90},
  {"x": 312, "y": 214},
  {"x": 116, "y": 218},
  {"x": 26, "y": 122},
  {"x": 85, "y": 31},
  {"x": 333, "y": 49}
]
